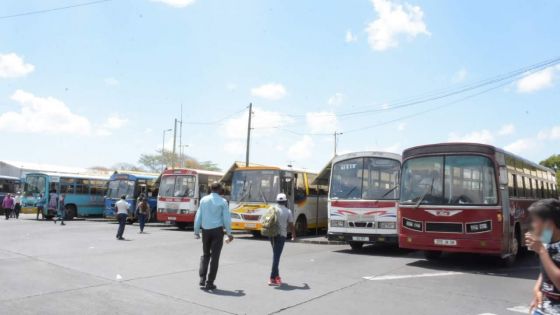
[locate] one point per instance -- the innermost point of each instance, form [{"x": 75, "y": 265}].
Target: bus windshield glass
[
  {"x": 449, "y": 180},
  {"x": 35, "y": 184},
  {"x": 118, "y": 188},
  {"x": 178, "y": 186},
  {"x": 366, "y": 178},
  {"x": 255, "y": 185}
]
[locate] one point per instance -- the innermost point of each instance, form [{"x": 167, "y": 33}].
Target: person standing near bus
[
  {"x": 212, "y": 217},
  {"x": 8, "y": 205},
  {"x": 40, "y": 204},
  {"x": 544, "y": 240},
  {"x": 122, "y": 207},
  {"x": 61, "y": 210},
  {"x": 53, "y": 202},
  {"x": 17, "y": 204},
  {"x": 285, "y": 222},
  {"x": 142, "y": 212}
]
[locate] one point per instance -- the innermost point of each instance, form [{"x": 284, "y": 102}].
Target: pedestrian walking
[
  {"x": 122, "y": 207},
  {"x": 212, "y": 217},
  {"x": 40, "y": 204},
  {"x": 53, "y": 202},
  {"x": 17, "y": 204},
  {"x": 142, "y": 212},
  {"x": 8, "y": 205},
  {"x": 61, "y": 210},
  {"x": 285, "y": 221},
  {"x": 544, "y": 240}
]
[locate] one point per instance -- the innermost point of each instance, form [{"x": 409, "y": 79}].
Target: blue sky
[{"x": 96, "y": 85}]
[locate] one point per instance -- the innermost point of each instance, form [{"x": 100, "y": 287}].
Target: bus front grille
[
  {"x": 251, "y": 217},
  {"x": 444, "y": 227}
]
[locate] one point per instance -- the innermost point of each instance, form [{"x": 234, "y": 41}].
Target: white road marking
[
  {"x": 420, "y": 275},
  {"x": 487, "y": 314},
  {"x": 519, "y": 309}
]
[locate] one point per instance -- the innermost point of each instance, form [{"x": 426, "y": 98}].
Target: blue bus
[
  {"x": 83, "y": 194},
  {"x": 132, "y": 185}
]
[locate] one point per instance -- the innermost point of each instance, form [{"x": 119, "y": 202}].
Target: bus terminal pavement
[{"x": 80, "y": 268}]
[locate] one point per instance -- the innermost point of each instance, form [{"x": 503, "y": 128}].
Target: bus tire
[
  {"x": 256, "y": 234},
  {"x": 521, "y": 250},
  {"x": 356, "y": 245},
  {"x": 515, "y": 249},
  {"x": 432, "y": 254},
  {"x": 181, "y": 225},
  {"x": 71, "y": 211},
  {"x": 301, "y": 225}
]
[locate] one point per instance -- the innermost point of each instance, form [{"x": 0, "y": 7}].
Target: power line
[
  {"x": 215, "y": 122},
  {"x": 54, "y": 9}
]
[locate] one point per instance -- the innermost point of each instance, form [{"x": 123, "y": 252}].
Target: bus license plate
[
  {"x": 360, "y": 238},
  {"x": 250, "y": 225},
  {"x": 445, "y": 242},
  {"x": 171, "y": 218}
]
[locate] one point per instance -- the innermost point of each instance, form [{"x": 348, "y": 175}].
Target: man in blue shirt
[{"x": 213, "y": 217}]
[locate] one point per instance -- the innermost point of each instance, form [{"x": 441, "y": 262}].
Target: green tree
[
  {"x": 553, "y": 162},
  {"x": 157, "y": 162}
]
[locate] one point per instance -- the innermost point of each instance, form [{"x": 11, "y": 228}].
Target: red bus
[
  {"x": 180, "y": 191},
  {"x": 467, "y": 197}
]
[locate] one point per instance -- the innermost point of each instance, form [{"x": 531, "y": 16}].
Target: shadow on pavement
[
  {"x": 377, "y": 250},
  {"x": 289, "y": 287},
  {"x": 527, "y": 266},
  {"x": 233, "y": 293}
]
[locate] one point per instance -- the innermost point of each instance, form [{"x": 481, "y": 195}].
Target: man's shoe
[
  {"x": 272, "y": 282},
  {"x": 202, "y": 282},
  {"x": 210, "y": 287},
  {"x": 121, "y": 238},
  {"x": 278, "y": 281},
  {"x": 62, "y": 223}
]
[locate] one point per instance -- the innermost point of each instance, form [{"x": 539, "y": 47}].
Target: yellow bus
[{"x": 254, "y": 190}]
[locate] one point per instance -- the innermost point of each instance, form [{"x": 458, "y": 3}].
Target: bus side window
[
  {"x": 300, "y": 194},
  {"x": 512, "y": 185}
]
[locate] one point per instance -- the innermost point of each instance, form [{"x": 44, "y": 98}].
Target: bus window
[
  {"x": 511, "y": 185},
  {"x": 82, "y": 186},
  {"x": 520, "y": 186},
  {"x": 66, "y": 186},
  {"x": 300, "y": 193}
]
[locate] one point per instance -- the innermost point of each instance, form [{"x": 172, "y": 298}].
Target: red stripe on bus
[{"x": 363, "y": 204}]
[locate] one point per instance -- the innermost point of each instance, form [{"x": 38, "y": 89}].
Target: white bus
[
  {"x": 180, "y": 191},
  {"x": 254, "y": 190},
  {"x": 363, "y": 197}
]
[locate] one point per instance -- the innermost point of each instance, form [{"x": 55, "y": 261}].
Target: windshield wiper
[
  {"x": 390, "y": 191},
  {"x": 248, "y": 192},
  {"x": 429, "y": 189},
  {"x": 350, "y": 192},
  {"x": 262, "y": 196}
]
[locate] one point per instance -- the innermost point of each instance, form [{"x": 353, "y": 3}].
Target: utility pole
[
  {"x": 249, "y": 134},
  {"x": 174, "y": 144},
  {"x": 336, "y": 134},
  {"x": 163, "y": 164},
  {"x": 181, "y": 139}
]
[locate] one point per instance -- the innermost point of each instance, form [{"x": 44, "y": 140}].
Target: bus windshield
[
  {"x": 255, "y": 185},
  {"x": 35, "y": 184},
  {"x": 178, "y": 186},
  {"x": 118, "y": 188},
  {"x": 449, "y": 180},
  {"x": 366, "y": 178}
]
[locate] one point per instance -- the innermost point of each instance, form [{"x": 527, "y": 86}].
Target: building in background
[{"x": 20, "y": 169}]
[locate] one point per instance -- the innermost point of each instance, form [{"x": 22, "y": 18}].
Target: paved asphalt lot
[{"x": 81, "y": 269}]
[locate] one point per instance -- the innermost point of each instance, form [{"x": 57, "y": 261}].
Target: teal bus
[{"x": 83, "y": 194}]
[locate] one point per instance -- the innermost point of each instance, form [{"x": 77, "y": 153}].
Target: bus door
[
  {"x": 287, "y": 187},
  {"x": 508, "y": 231}
]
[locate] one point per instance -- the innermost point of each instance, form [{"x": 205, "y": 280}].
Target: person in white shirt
[
  {"x": 122, "y": 207},
  {"x": 285, "y": 224}
]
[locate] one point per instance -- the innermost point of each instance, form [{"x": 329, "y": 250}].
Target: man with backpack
[{"x": 275, "y": 225}]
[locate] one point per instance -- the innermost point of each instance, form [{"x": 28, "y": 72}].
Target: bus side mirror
[{"x": 503, "y": 176}]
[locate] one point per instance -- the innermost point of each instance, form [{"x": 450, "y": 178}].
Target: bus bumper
[
  {"x": 29, "y": 210},
  {"x": 173, "y": 218},
  {"x": 363, "y": 238},
  {"x": 246, "y": 226},
  {"x": 453, "y": 245}
]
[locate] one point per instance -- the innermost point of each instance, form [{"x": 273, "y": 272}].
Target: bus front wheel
[
  {"x": 256, "y": 234},
  {"x": 356, "y": 245},
  {"x": 71, "y": 212},
  {"x": 301, "y": 226}
]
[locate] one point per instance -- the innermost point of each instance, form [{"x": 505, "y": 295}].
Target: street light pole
[
  {"x": 163, "y": 149},
  {"x": 182, "y": 154}
]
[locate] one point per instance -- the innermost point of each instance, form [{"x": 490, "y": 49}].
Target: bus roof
[
  {"x": 134, "y": 175},
  {"x": 466, "y": 147},
  {"x": 176, "y": 171},
  {"x": 9, "y": 177},
  {"x": 81, "y": 176},
  {"x": 325, "y": 174},
  {"x": 252, "y": 166}
]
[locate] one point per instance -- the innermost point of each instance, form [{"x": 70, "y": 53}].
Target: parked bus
[
  {"x": 363, "y": 194},
  {"x": 466, "y": 197},
  {"x": 180, "y": 193},
  {"x": 8, "y": 185},
  {"x": 132, "y": 185},
  {"x": 254, "y": 189},
  {"x": 83, "y": 193}
]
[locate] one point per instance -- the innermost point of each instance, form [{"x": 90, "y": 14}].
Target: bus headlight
[
  {"x": 479, "y": 227},
  {"x": 337, "y": 223},
  {"x": 235, "y": 216},
  {"x": 386, "y": 225},
  {"x": 160, "y": 210},
  {"x": 413, "y": 225}
]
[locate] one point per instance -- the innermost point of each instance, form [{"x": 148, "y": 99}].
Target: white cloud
[
  {"x": 111, "y": 81},
  {"x": 302, "y": 149},
  {"x": 550, "y": 134},
  {"x": 521, "y": 146},
  {"x": 176, "y": 3},
  {"x": 336, "y": 99},
  {"x": 270, "y": 91},
  {"x": 401, "y": 126},
  {"x": 43, "y": 115},
  {"x": 394, "y": 20},
  {"x": 481, "y": 136},
  {"x": 13, "y": 66},
  {"x": 537, "y": 81},
  {"x": 321, "y": 122},
  {"x": 263, "y": 122},
  {"x": 507, "y": 130},
  {"x": 349, "y": 37},
  {"x": 112, "y": 123},
  {"x": 460, "y": 76}
]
